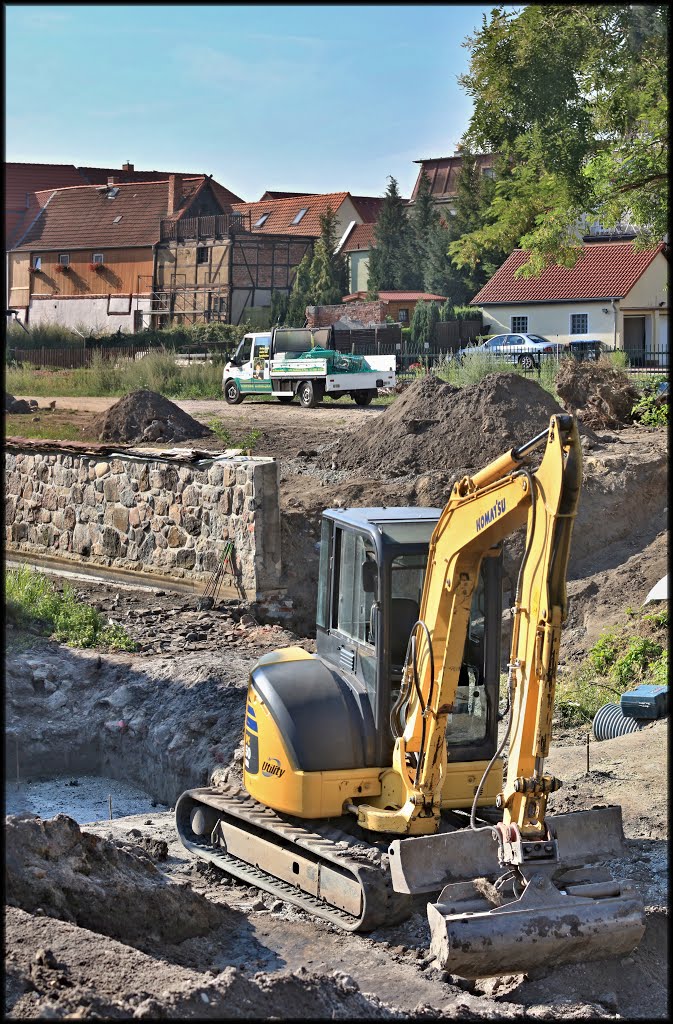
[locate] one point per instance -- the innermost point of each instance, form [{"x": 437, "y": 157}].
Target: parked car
[{"x": 525, "y": 349}]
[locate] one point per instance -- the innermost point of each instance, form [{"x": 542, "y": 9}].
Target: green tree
[
  {"x": 575, "y": 99},
  {"x": 393, "y": 260},
  {"x": 300, "y": 297},
  {"x": 279, "y": 306},
  {"x": 328, "y": 268},
  {"x": 433, "y": 318},
  {"x": 440, "y": 275},
  {"x": 447, "y": 311},
  {"x": 419, "y": 324}
]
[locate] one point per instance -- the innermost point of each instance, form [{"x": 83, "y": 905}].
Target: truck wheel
[
  {"x": 363, "y": 397},
  {"x": 232, "y": 392},
  {"x": 284, "y": 399},
  {"x": 308, "y": 394}
]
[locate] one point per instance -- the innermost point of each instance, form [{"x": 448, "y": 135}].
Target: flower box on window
[
  {"x": 34, "y": 270},
  {"x": 62, "y": 268},
  {"x": 97, "y": 267}
]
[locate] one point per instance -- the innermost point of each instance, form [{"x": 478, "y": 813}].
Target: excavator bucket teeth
[{"x": 545, "y": 927}]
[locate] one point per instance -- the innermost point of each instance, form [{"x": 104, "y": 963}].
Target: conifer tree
[
  {"x": 392, "y": 260},
  {"x": 300, "y": 297}
]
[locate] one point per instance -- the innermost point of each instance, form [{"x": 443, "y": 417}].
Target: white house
[{"x": 615, "y": 294}]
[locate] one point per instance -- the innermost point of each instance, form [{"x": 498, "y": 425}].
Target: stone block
[
  {"x": 224, "y": 504},
  {"x": 176, "y": 537},
  {"x": 120, "y": 519},
  {"x": 241, "y": 476},
  {"x": 117, "y": 466},
  {"x": 161, "y": 506},
  {"x": 45, "y": 516},
  {"x": 134, "y": 517},
  {"x": 76, "y": 494},
  {"x": 27, "y": 490},
  {"x": 175, "y": 513},
  {"x": 185, "y": 558},
  {"x": 101, "y": 468},
  {"x": 69, "y": 517},
  {"x": 81, "y": 539},
  {"x": 50, "y": 499},
  {"x": 215, "y": 475},
  {"x": 237, "y": 501},
  {"x": 190, "y": 495},
  {"x": 156, "y": 478},
  {"x": 228, "y": 474},
  {"x": 127, "y": 497},
  {"x": 111, "y": 489}
]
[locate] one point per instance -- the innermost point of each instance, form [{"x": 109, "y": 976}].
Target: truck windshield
[{"x": 243, "y": 352}]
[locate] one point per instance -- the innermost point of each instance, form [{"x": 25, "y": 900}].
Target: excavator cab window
[{"x": 469, "y": 720}]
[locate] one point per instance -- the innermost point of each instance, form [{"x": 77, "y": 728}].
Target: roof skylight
[
  {"x": 300, "y": 215},
  {"x": 261, "y": 221}
]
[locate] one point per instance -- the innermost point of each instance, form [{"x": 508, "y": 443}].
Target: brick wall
[
  {"x": 367, "y": 312},
  {"x": 164, "y": 517}
]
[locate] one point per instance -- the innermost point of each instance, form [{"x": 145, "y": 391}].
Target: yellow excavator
[{"x": 373, "y": 772}]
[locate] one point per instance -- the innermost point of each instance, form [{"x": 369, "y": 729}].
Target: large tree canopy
[{"x": 574, "y": 98}]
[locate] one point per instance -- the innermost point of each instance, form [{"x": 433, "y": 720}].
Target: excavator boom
[{"x": 548, "y": 904}]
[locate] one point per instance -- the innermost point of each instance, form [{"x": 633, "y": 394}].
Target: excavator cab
[{"x": 372, "y": 567}]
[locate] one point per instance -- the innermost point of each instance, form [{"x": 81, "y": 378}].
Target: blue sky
[{"x": 321, "y": 98}]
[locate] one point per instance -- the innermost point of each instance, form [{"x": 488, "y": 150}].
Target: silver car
[{"x": 525, "y": 349}]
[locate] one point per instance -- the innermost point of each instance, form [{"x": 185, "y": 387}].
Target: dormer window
[
  {"x": 262, "y": 220},
  {"x": 300, "y": 215},
  {"x": 112, "y": 192},
  {"x": 64, "y": 259}
]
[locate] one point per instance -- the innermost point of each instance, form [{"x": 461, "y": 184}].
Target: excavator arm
[
  {"x": 541, "y": 911},
  {"x": 481, "y": 512}
]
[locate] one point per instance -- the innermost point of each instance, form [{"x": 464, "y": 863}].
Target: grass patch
[
  {"x": 32, "y": 599},
  {"x": 620, "y": 660},
  {"x": 21, "y": 426},
  {"x": 247, "y": 442}
]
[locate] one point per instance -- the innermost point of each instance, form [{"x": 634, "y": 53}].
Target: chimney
[
  {"x": 174, "y": 192},
  {"x": 127, "y": 167},
  {"x": 111, "y": 180}
]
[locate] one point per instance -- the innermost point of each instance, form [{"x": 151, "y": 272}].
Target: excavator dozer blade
[{"x": 545, "y": 927}]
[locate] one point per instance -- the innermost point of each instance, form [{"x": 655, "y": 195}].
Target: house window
[
  {"x": 117, "y": 219},
  {"x": 519, "y": 323},
  {"x": 64, "y": 259},
  {"x": 202, "y": 254},
  {"x": 37, "y": 262},
  {"x": 98, "y": 257},
  {"x": 579, "y": 323},
  {"x": 300, "y": 215},
  {"x": 262, "y": 220},
  {"x": 487, "y": 172},
  {"x": 403, "y": 316}
]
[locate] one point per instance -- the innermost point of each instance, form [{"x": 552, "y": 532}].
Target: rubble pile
[
  {"x": 599, "y": 395},
  {"x": 146, "y": 416},
  {"x": 434, "y": 426},
  {"x": 17, "y": 406}
]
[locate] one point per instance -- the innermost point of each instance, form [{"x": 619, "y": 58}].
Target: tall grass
[
  {"x": 476, "y": 365},
  {"x": 32, "y": 598},
  {"x": 174, "y": 337},
  {"x": 156, "y": 371}
]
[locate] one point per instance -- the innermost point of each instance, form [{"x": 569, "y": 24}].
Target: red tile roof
[
  {"x": 604, "y": 270},
  {"x": 25, "y": 179},
  {"x": 443, "y": 173},
  {"x": 283, "y": 211},
  {"x": 76, "y": 218},
  {"x": 368, "y": 207},
  {"x": 361, "y": 237}
]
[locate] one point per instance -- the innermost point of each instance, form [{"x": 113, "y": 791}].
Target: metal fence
[{"x": 652, "y": 361}]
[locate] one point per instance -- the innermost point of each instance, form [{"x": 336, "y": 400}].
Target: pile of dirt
[
  {"x": 146, "y": 416},
  {"x": 600, "y": 396},
  {"x": 54, "y": 867},
  {"x": 17, "y": 406},
  {"x": 435, "y": 426}
]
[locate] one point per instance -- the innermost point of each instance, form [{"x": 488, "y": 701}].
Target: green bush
[
  {"x": 619, "y": 660},
  {"x": 647, "y": 410},
  {"x": 31, "y": 598}
]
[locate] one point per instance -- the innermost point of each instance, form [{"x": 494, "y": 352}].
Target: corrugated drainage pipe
[{"x": 609, "y": 723}]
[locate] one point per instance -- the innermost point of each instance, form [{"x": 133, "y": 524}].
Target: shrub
[
  {"x": 651, "y": 409},
  {"x": 32, "y": 598}
]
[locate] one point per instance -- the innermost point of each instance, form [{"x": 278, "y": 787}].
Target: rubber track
[{"x": 381, "y": 905}]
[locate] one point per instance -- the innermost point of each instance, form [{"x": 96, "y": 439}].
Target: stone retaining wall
[{"x": 169, "y": 518}]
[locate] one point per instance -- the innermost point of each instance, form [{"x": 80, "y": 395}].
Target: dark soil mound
[
  {"x": 89, "y": 881},
  {"x": 146, "y": 416},
  {"x": 600, "y": 396},
  {"x": 435, "y": 426},
  {"x": 18, "y": 405}
]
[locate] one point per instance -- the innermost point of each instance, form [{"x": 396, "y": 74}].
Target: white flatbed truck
[{"x": 268, "y": 363}]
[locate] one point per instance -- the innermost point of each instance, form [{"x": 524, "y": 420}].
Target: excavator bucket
[
  {"x": 568, "y": 911},
  {"x": 546, "y": 926}
]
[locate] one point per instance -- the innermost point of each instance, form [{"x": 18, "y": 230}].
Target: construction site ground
[{"x": 115, "y": 920}]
